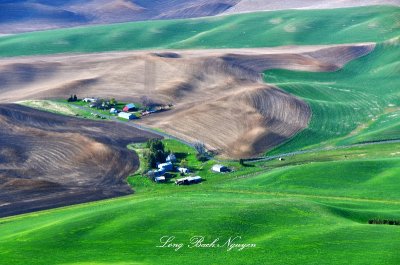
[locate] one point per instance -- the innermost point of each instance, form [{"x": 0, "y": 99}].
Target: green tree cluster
[{"x": 156, "y": 153}]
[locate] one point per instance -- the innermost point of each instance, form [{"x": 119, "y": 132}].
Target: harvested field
[
  {"x": 219, "y": 96},
  {"x": 22, "y": 16},
  {"x": 48, "y": 160}
]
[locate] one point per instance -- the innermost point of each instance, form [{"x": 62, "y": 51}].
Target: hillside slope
[
  {"x": 262, "y": 5},
  {"x": 48, "y": 160},
  {"x": 27, "y": 15},
  {"x": 356, "y": 104},
  {"x": 293, "y": 216},
  {"x": 219, "y": 96},
  {"x": 265, "y": 29}
]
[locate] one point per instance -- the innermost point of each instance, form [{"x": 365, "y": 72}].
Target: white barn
[{"x": 127, "y": 116}]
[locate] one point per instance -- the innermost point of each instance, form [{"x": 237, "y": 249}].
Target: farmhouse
[
  {"x": 219, "y": 168},
  {"x": 171, "y": 158},
  {"x": 188, "y": 180},
  {"x": 167, "y": 166},
  {"x": 183, "y": 170},
  {"x": 129, "y": 107},
  {"x": 126, "y": 115}
]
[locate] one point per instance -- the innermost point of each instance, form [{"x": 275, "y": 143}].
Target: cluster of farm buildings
[
  {"x": 129, "y": 112},
  {"x": 159, "y": 174}
]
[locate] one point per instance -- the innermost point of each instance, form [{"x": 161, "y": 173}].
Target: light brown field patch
[{"x": 219, "y": 96}]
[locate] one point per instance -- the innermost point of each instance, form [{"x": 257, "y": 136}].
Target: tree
[
  {"x": 75, "y": 98},
  {"x": 202, "y": 154},
  {"x": 183, "y": 163},
  {"x": 156, "y": 153},
  {"x": 113, "y": 102},
  {"x": 147, "y": 102},
  {"x": 241, "y": 162},
  {"x": 200, "y": 148}
]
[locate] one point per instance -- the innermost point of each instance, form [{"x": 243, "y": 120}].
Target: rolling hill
[
  {"x": 293, "y": 217},
  {"x": 33, "y": 15},
  {"x": 219, "y": 96},
  {"x": 48, "y": 160},
  {"x": 26, "y": 15},
  {"x": 334, "y": 83},
  {"x": 263, "y": 29},
  {"x": 358, "y": 103}
]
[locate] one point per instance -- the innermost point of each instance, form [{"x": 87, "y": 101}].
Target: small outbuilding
[
  {"x": 113, "y": 111},
  {"x": 159, "y": 179},
  {"x": 220, "y": 168},
  {"x": 127, "y": 116},
  {"x": 183, "y": 170},
  {"x": 91, "y": 100},
  {"x": 129, "y": 107},
  {"x": 167, "y": 166},
  {"x": 171, "y": 158},
  {"x": 188, "y": 180}
]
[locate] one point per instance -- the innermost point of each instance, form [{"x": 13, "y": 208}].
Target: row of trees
[
  {"x": 201, "y": 150},
  {"x": 383, "y": 222},
  {"x": 104, "y": 103},
  {"x": 72, "y": 98}
]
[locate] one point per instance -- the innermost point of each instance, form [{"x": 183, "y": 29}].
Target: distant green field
[
  {"x": 358, "y": 103},
  {"x": 310, "y": 213},
  {"x": 263, "y": 29}
]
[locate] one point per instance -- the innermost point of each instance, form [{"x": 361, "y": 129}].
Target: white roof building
[
  {"x": 126, "y": 115},
  {"x": 171, "y": 158},
  {"x": 159, "y": 179},
  {"x": 219, "y": 168},
  {"x": 183, "y": 170},
  {"x": 166, "y": 166}
]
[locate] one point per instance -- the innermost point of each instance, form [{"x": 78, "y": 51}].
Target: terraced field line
[
  {"x": 269, "y": 158},
  {"x": 285, "y": 194}
]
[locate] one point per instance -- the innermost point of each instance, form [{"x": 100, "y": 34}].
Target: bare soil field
[
  {"x": 49, "y": 160},
  {"x": 219, "y": 96},
  {"x": 23, "y": 16}
]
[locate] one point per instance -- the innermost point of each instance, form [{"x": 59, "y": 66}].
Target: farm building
[
  {"x": 159, "y": 179},
  {"x": 157, "y": 172},
  {"x": 129, "y": 107},
  {"x": 89, "y": 100},
  {"x": 126, "y": 115},
  {"x": 113, "y": 111},
  {"x": 171, "y": 158},
  {"x": 219, "y": 168},
  {"x": 183, "y": 170},
  {"x": 188, "y": 180},
  {"x": 167, "y": 166}
]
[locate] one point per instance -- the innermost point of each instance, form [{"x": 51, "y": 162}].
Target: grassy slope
[
  {"x": 358, "y": 103},
  {"x": 306, "y": 225},
  {"x": 264, "y": 29}
]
